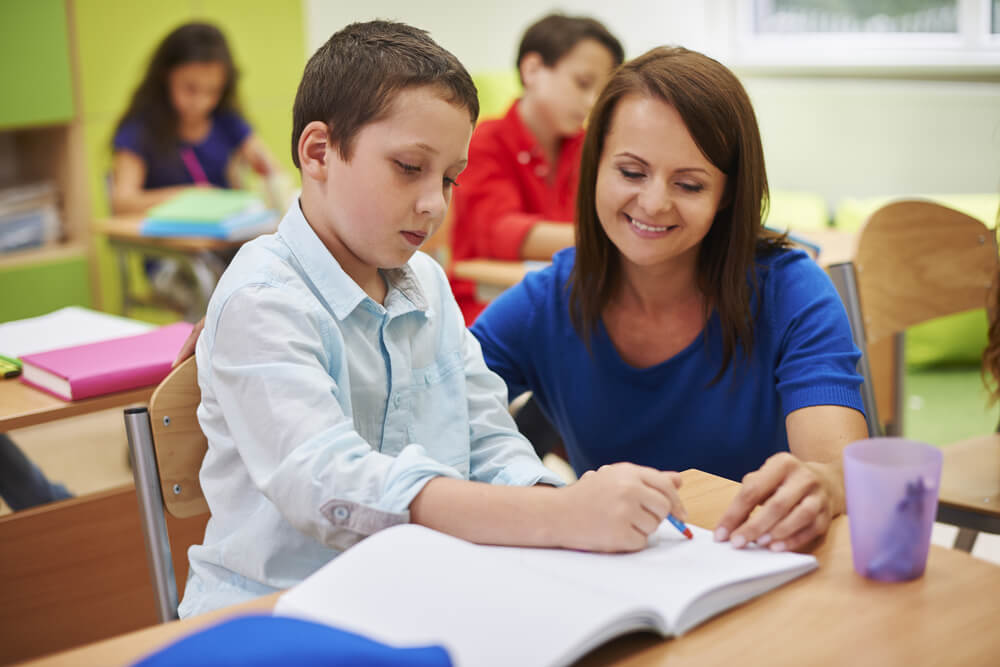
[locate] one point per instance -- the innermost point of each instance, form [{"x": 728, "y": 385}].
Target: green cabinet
[{"x": 34, "y": 63}]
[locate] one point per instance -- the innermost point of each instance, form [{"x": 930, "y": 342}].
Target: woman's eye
[
  {"x": 631, "y": 175},
  {"x": 691, "y": 187},
  {"x": 407, "y": 168}
]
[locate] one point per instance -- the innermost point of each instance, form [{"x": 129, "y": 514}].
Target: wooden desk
[
  {"x": 829, "y": 617},
  {"x": 199, "y": 256},
  {"x": 970, "y": 488},
  {"x": 492, "y": 276},
  {"x": 21, "y": 405}
]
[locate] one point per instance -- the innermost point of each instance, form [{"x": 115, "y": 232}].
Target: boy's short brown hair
[
  {"x": 555, "y": 35},
  {"x": 352, "y": 80}
]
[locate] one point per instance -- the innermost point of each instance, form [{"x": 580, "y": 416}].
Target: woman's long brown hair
[{"x": 718, "y": 114}]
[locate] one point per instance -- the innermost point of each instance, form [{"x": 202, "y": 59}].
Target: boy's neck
[
  {"x": 368, "y": 278},
  {"x": 547, "y": 137}
]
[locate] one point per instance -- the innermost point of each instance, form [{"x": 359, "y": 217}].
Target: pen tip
[{"x": 688, "y": 534}]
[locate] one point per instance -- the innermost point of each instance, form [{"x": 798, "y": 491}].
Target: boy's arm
[{"x": 612, "y": 509}]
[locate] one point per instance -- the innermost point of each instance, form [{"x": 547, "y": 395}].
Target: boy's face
[
  {"x": 565, "y": 92},
  {"x": 377, "y": 209}
]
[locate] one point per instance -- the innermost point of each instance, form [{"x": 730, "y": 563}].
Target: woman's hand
[
  {"x": 795, "y": 502},
  {"x": 617, "y": 507}
]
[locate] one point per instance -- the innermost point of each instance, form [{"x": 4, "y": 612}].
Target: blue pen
[{"x": 679, "y": 525}]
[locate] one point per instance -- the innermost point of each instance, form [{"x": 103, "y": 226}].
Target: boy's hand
[
  {"x": 616, "y": 507},
  {"x": 187, "y": 349}
]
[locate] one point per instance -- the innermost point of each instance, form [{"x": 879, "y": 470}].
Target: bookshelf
[{"x": 41, "y": 140}]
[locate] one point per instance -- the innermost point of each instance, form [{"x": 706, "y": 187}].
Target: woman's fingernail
[
  {"x": 721, "y": 534},
  {"x": 763, "y": 539},
  {"x": 778, "y": 546},
  {"x": 738, "y": 541}
]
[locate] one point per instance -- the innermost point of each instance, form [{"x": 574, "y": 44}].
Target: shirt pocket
[{"x": 440, "y": 412}]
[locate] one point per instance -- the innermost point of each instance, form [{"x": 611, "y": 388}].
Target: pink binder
[{"x": 95, "y": 369}]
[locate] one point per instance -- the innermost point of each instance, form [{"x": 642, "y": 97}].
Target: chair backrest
[
  {"x": 167, "y": 447},
  {"x": 915, "y": 261},
  {"x": 918, "y": 260},
  {"x": 178, "y": 440}
]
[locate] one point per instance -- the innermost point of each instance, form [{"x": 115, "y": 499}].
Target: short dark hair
[
  {"x": 352, "y": 80},
  {"x": 555, "y": 35}
]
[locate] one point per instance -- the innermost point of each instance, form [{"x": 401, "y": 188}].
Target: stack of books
[
  {"x": 29, "y": 216},
  {"x": 230, "y": 215}
]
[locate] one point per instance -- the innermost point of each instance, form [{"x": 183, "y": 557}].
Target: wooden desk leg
[{"x": 122, "y": 255}]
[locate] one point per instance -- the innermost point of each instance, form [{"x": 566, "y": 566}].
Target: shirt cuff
[{"x": 526, "y": 473}]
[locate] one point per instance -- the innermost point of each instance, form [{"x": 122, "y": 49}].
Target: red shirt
[{"x": 504, "y": 191}]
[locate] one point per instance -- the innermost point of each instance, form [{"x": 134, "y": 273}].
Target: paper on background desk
[{"x": 72, "y": 325}]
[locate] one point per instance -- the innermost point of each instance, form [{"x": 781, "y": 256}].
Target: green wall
[{"x": 115, "y": 41}]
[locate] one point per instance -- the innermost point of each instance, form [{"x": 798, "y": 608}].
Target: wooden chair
[
  {"x": 167, "y": 447},
  {"x": 917, "y": 261}
]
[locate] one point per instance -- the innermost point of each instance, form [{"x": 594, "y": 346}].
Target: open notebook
[{"x": 409, "y": 586}]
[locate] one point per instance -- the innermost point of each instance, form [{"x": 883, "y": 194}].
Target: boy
[
  {"x": 520, "y": 188},
  {"x": 341, "y": 392}
]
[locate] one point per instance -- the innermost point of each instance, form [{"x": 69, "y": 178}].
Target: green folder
[{"x": 208, "y": 205}]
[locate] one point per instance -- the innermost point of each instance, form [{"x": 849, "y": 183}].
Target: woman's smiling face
[{"x": 656, "y": 193}]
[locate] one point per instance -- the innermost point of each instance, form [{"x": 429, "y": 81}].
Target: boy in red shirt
[{"x": 519, "y": 191}]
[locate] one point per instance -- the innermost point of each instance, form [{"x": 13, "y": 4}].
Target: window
[{"x": 960, "y": 35}]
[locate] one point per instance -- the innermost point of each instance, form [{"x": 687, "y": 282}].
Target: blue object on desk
[{"x": 259, "y": 641}]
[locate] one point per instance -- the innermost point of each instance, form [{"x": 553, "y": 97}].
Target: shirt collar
[{"x": 338, "y": 289}]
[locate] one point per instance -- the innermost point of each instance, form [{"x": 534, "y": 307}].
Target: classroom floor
[{"x": 88, "y": 454}]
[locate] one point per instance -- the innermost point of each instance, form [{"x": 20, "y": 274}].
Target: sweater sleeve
[{"x": 817, "y": 359}]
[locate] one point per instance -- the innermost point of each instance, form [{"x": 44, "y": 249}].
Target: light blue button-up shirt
[{"x": 326, "y": 412}]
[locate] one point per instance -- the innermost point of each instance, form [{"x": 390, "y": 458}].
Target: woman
[{"x": 679, "y": 332}]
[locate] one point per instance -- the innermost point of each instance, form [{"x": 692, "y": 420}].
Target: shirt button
[
  {"x": 524, "y": 157},
  {"x": 396, "y": 400},
  {"x": 341, "y": 513},
  {"x": 541, "y": 170}
]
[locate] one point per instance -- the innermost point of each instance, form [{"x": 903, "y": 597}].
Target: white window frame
[{"x": 974, "y": 49}]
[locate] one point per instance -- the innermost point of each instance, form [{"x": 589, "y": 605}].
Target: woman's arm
[
  {"x": 127, "y": 192},
  {"x": 800, "y": 492}
]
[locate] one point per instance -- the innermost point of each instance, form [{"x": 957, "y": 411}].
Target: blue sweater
[{"x": 669, "y": 416}]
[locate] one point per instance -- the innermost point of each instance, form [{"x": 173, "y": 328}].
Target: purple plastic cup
[{"x": 892, "y": 494}]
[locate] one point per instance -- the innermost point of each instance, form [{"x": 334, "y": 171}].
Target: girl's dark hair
[
  {"x": 354, "y": 78},
  {"x": 151, "y": 106},
  {"x": 718, "y": 114}
]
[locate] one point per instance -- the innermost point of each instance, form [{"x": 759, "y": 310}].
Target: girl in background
[{"x": 183, "y": 128}]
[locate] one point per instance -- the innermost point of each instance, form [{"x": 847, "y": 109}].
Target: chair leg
[
  {"x": 966, "y": 539},
  {"x": 154, "y": 524}
]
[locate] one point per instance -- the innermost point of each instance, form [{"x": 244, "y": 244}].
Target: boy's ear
[
  {"x": 530, "y": 66},
  {"x": 313, "y": 144}
]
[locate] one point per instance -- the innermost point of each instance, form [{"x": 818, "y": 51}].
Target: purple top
[{"x": 228, "y": 133}]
